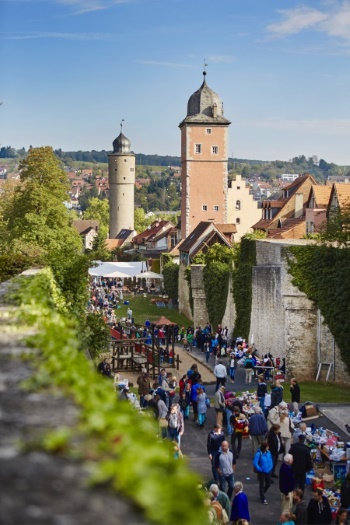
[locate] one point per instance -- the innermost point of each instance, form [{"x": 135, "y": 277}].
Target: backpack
[{"x": 240, "y": 425}]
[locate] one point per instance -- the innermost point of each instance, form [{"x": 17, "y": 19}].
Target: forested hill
[{"x": 266, "y": 170}]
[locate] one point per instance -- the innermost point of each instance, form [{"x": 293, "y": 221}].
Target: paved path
[{"x": 194, "y": 447}]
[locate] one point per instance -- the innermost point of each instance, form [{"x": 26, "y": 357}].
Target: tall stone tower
[
  {"x": 121, "y": 176},
  {"x": 204, "y": 146}
]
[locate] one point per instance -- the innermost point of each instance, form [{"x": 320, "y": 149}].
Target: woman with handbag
[{"x": 276, "y": 446}]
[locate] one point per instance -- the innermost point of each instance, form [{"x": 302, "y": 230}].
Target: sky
[{"x": 71, "y": 70}]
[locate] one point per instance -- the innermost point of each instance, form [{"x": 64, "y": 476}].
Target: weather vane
[
  {"x": 205, "y": 65},
  {"x": 121, "y": 125}
]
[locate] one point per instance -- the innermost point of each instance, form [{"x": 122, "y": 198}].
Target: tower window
[
  {"x": 204, "y": 207},
  {"x": 124, "y": 178},
  {"x": 198, "y": 148},
  {"x": 208, "y": 131},
  {"x": 215, "y": 150},
  {"x": 238, "y": 205},
  {"x": 115, "y": 169},
  {"x": 238, "y": 220},
  {"x": 216, "y": 208},
  {"x": 124, "y": 160},
  {"x": 132, "y": 169}
]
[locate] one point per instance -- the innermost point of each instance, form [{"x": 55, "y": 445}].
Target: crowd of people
[{"x": 266, "y": 417}]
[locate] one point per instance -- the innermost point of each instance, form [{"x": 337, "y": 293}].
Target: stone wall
[
  {"x": 184, "y": 293},
  {"x": 200, "y": 312},
  {"x": 230, "y": 312},
  {"x": 284, "y": 321},
  {"x": 39, "y": 487}
]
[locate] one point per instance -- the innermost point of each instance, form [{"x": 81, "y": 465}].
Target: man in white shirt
[{"x": 220, "y": 373}]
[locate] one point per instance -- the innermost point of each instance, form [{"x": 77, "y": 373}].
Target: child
[
  {"x": 184, "y": 403},
  {"x": 240, "y": 426}
]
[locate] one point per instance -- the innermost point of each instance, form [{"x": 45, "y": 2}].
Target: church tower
[
  {"x": 204, "y": 146},
  {"x": 121, "y": 176}
]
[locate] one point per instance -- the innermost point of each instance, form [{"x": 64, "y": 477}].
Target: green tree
[
  {"x": 98, "y": 210},
  {"x": 337, "y": 228},
  {"x": 36, "y": 218}
]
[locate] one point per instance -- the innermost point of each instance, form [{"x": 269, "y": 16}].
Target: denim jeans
[
  {"x": 230, "y": 481},
  {"x": 173, "y": 434},
  {"x": 264, "y": 483},
  {"x": 213, "y": 469},
  {"x": 228, "y": 425},
  {"x": 232, "y": 373}
]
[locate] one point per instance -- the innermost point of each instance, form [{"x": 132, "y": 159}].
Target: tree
[
  {"x": 36, "y": 218},
  {"x": 337, "y": 228},
  {"x": 99, "y": 210}
]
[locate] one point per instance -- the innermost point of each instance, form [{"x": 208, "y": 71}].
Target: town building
[
  {"x": 242, "y": 209},
  {"x": 285, "y": 217},
  {"x": 88, "y": 231},
  {"x": 316, "y": 208},
  {"x": 121, "y": 177},
  {"x": 204, "y": 160}
]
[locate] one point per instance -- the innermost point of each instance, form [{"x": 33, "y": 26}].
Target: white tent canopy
[
  {"x": 149, "y": 275},
  {"x": 106, "y": 269}
]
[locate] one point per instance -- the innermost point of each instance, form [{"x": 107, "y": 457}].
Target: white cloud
[
  {"x": 315, "y": 126},
  {"x": 333, "y": 20},
  {"x": 296, "y": 20},
  {"x": 87, "y": 6}
]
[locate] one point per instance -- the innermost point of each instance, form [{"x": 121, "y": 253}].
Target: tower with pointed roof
[
  {"x": 204, "y": 156},
  {"x": 121, "y": 176}
]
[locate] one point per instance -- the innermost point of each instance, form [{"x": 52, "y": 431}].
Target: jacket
[
  {"x": 300, "y": 512},
  {"x": 295, "y": 391},
  {"x": 219, "y": 401},
  {"x": 275, "y": 443},
  {"x": 214, "y": 442},
  {"x": 257, "y": 425},
  {"x": 302, "y": 460},
  {"x": 319, "y": 513},
  {"x": 263, "y": 461},
  {"x": 286, "y": 479},
  {"x": 240, "y": 508}
]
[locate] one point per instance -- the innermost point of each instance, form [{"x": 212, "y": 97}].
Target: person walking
[
  {"x": 263, "y": 464},
  {"x": 257, "y": 428},
  {"x": 276, "y": 446},
  {"x": 300, "y": 508},
  {"x": 225, "y": 463},
  {"x": 318, "y": 509},
  {"x": 220, "y": 373},
  {"x": 214, "y": 442},
  {"x": 301, "y": 462},
  {"x": 249, "y": 369},
  {"x": 221, "y": 497},
  {"x": 201, "y": 407},
  {"x": 240, "y": 507},
  {"x": 175, "y": 424},
  {"x": 286, "y": 483},
  {"x": 219, "y": 405},
  {"x": 144, "y": 388},
  {"x": 232, "y": 367},
  {"x": 279, "y": 415},
  {"x": 261, "y": 391},
  {"x": 295, "y": 393},
  {"x": 240, "y": 425}
]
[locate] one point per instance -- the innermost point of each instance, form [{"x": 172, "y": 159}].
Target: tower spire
[
  {"x": 204, "y": 70},
  {"x": 121, "y": 125}
]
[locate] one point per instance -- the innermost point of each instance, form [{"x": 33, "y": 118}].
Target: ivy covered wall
[{"x": 322, "y": 272}]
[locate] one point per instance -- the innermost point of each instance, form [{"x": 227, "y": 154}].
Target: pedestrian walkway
[{"x": 194, "y": 444}]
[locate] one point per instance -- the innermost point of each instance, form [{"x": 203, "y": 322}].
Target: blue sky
[{"x": 72, "y": 69}]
